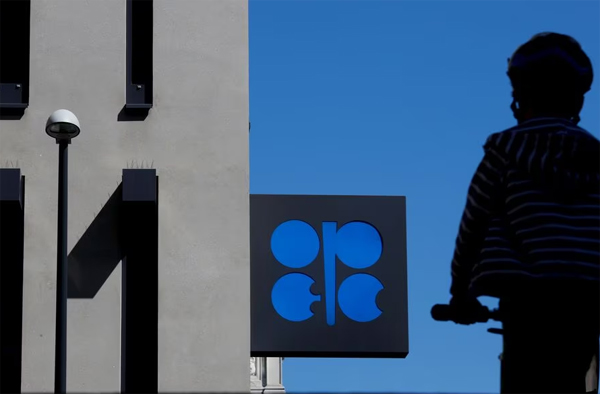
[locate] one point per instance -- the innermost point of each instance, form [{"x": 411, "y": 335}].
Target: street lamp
[{"x": 62, "y": 125}]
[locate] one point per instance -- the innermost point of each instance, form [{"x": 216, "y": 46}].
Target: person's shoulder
[
  {"x": 496, "y": 138},
  {"x": 544, "y": 127}
]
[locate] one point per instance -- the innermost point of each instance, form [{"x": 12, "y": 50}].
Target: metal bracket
[
  {"x": 136, "y": 97},
  {"x": 11, "y": 185},
  {"x": 11, "y": 96}
]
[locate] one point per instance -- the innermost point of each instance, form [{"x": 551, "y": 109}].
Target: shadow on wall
[
  {"x": 132, "y": 114},
  {"x": 97, "y": 252},
  {"x": 11, "y": 113}
]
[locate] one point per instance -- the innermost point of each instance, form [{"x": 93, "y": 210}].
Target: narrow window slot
[
  {"x": 139, "y": 54},
  {"x": 14, "y": 55}
]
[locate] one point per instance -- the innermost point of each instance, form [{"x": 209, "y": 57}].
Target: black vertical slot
[
  {"x": 14, "y": 56},
  {"x": 139, "y": 54},
  {"x": 139, "y": 330},
  {"x": 12, "y": 218}
]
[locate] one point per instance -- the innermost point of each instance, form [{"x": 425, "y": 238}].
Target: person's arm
[{"x": 482, "y": 199}]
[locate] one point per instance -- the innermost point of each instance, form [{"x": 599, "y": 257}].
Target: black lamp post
[{"x": 62, "y": 125}]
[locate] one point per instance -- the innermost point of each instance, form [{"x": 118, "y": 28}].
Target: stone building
[{"x": 154, "y": 83}]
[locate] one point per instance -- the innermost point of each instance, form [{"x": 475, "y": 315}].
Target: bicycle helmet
[{"x": 551, "y": 71}]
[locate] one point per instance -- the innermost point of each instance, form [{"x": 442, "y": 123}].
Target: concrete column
[{"x": 265, "y": 375}]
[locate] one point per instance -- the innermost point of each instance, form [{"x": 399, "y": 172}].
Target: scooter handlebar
[{"x": 445, "y": 312}]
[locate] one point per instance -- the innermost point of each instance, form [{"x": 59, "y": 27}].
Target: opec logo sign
[
  {"x": 328, "y": 276},
  {"x": 358, "y": 245}
]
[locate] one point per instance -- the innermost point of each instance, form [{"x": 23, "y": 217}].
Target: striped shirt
[{"x": 532, "y": 213}]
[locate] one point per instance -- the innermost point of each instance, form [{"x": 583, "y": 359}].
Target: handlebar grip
[{"x": 441, "y": 312}]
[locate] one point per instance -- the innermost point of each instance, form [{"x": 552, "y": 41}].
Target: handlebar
[{"x": 445, "y": 312}]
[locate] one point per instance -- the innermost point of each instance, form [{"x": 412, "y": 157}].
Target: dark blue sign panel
[{"x": 328, "y": 276}]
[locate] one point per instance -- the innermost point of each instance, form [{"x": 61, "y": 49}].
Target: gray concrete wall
[{"x": 197, "y": 136}]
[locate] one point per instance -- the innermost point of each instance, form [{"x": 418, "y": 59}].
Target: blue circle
[
  {"x": 357, "y": 297},
  {"x": 358, "y": 245},
  {"x": 291, "y": 297},
  {"x": 295, "y": 244}
]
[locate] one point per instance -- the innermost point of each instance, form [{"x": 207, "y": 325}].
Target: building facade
[{"x": 164, "y": 87}]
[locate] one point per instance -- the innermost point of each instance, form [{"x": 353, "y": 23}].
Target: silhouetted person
[{"x": 530, "y": 232}]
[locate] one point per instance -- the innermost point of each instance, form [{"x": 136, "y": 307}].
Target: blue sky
[{"x": 396, "y": 98}]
